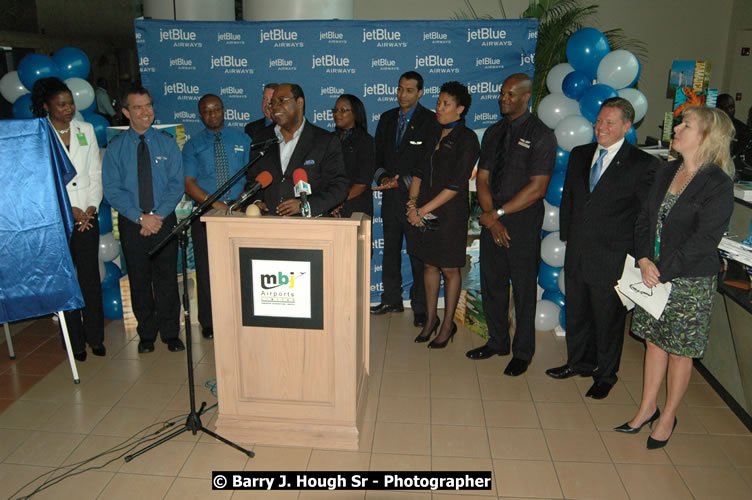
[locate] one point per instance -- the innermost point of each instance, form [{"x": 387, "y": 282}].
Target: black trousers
[
  {"x": 153, "y": 280},
  {"x": 595, "y": 328},
  {"x": 518, "y": 264},
  {"x": 86, "y": 325},
  {"x": 201, "y": 260},
  {"x": 396, "y": 228}
]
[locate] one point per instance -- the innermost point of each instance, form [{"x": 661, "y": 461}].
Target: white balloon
[
  {"x": 561, "y": 282},
  {"x": 556, "y": 77},
  {"x": 541, "y": 291},
  {"x": 638, "y": 101},
  {"x": 550, "y": 217},
  {"x": 618, "y": 69},
  {"x": 11, "y": 87},
  {"x": 102, "y": 270},
  {"x": 553, "y": 250},
  {"x": 573, "y": 131},
  {"x": 83, "y": 93},
  {"x": 546, "y": 315},
  {"x": 555, "y": 107},
  {"x": 78, "y": 116},
  {"x": 108, "y": 247}
]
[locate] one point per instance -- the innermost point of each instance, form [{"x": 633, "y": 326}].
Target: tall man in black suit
[
  {"x": 403, "y": 138},
  {"x": 606, "y": 184},
  {"x": 253, "y": 128},
  {"x": 302, "y": 145}
]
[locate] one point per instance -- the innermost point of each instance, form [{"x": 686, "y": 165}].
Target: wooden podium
[{"x": 290, "y": 303}]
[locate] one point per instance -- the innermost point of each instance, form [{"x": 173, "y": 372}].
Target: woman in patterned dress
[{"x": 676, "y": 236}]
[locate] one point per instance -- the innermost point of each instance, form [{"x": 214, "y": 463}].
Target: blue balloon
[
  {"x": 563, "y": 317},
  {"x": 631, "y": 136},
  {"x": 100, "y": 125},
  {"x": 112, "y": 275},
  {"x": 575, "y": 84},
  {"x": 592, "y": 99},
  {"x": 554, "y": 296},
  {"x": 36, "y": 66},
  {"x": 112, "y": 303},
  {"x": 556, "y": 188},
  {"x": 22, "y": 107},
  {"x": 73, "y": 63},
  {"x": 544, "y": 233},
  {"x": 548, "y": 277},
  {"x": 105, "y": 218},
  {"x": 585, "y": 49},
  {"x": 562, "y": 160}
]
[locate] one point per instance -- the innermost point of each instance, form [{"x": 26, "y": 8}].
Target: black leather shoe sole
[
  {"x": 386, "y": 308},
  {"x": 145, "y": 346},
  {"x": 484, "y": 352},
  {"x": 562, "y": 372}
]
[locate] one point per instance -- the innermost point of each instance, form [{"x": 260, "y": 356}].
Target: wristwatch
[
  {"x": 500, "y": 212},
  {"x": 140, "y": 219}
]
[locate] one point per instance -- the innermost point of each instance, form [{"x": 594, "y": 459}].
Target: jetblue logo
[
  {"x": 234, "y": 114},
  {"x": 231, "y": 91},
  {"x": 332, "y": 63},
  {"x": 384, "y": 63},
  {"x": 322, "y": 116},
  {"x": 484, "y": 88},
  {"x": 436, "y": 38},
  {"x": 332, "y": 36},
  {"x": 143, "y": 63},
  {"x": 489, "y": 37},
  {"x": 527, "y": 59},
  {"x": 432, "y": 91},
  {"x": 379, "y": 89},
  {"x": 533, "y": 35},
  {"x": 332, "y": 90},
  {"x": 384, "y": 37},
  {"x": 181, "y": 88},
  {"x": 436, "y": 63},
  {"x": 481, "y": 117},
  {"x": 378, "y": 243},
  {"x": 229, "y": 37},
  {"x": 179, "y": 61},
  {"x": 180, "y": 37},
  {"x": 374, "y": 118},
  {"x": 184, "y": 115},
  {"x": 281, "y": 37},
  {"x": 281, "y": 63},
  {"x": 228, "y": 62},
  {"x": 487, "y": 62}
]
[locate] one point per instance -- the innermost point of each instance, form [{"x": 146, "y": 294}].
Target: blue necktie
[
  {"x": 220, "y": 160},
  {"x": 595, "y": 172},
  {"x": 401, "y": 129},
  {"x": 145, "y": 187}
]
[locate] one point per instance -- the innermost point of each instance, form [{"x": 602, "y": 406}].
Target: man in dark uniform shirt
[
  {"x": 253, "y": 128},
  {"x": 516, "y": 161},
  {"x": 403, "y": 138}
]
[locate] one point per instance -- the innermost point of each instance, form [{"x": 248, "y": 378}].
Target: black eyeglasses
[
  {"x": 341, "y": 110},
  {"x": 280, "y": 101}
]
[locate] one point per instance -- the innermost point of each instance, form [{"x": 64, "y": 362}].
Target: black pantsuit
[
  {"x": 154, "y": 287},
  {"x": 518, "y": 264},
  {"x": 86, "y": 325}
]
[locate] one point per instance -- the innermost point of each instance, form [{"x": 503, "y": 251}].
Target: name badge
[
  {"x": 81, "y": 139},
  {"x": 524, "y": 143},
  {"x": 239, "y": 149}
]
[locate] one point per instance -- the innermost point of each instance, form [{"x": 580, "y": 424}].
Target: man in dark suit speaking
[
  {"x": 605, "y": 186},
  {"x": 302, "y": 146}
]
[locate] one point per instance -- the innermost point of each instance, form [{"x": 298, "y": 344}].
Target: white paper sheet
[{"x": 653, "y": 300}]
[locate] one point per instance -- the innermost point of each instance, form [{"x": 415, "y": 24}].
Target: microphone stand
[{"x": 193, "y": 421}]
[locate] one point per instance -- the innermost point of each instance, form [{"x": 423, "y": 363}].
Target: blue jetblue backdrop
[{"x": 182, "y": 60}]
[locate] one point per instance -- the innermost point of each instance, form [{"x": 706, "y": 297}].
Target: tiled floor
[{"x": 427, "y": 410}]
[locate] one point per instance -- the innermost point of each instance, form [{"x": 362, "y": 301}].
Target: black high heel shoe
[
  {"x": 634, "y": 430},
  {"x": 424, "y": 338},
  {"x": 440, "y": 345},
  {"x": 654, "y": 444}
]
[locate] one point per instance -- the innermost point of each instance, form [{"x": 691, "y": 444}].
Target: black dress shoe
[
  {"x": 484, "y": 352},
  {"x": 654, "y": 444},
  {"x": 425, "y": 338},
  {"x": 145, "y": 346},
  {"x": 99, "y": 350},
  {"x": 419, "y": 319},
  {"x": 208, "y": 333},
  {"x": 175, "y": 345},
  {"x": 564, "y": 371},
  {"x": 599, "y": 390},
  {"x": 516, "y": 367},
  {"x": 80, "y": 356},
  {"x": 387, "y": 308},
  {"x": 435, "y": 344},
  {"x": 634, "y": 430}
]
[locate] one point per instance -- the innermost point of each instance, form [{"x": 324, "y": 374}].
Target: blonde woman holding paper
[{"x": 677, "y": 235}]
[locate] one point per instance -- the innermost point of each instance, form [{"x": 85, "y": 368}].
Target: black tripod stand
[{"x": 193, "y": 421}]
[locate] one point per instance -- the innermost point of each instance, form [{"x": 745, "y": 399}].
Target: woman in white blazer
[{"x": 52, "y": 98}]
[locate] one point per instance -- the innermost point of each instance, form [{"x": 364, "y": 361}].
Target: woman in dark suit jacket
[
  {"x": 677, "y": 235},
  {"x": 440, "y": 188},
  {"x": 358, "y": 152}
]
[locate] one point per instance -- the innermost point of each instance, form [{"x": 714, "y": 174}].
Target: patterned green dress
[{"x": 685, "y": 324}]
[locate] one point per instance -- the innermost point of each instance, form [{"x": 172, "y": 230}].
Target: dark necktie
[
  {"x": 595, "y": 171},
  {"x": 401, "y": 129},
  {"x": 500, "y": 160},
  {"x": 220, "y": 160},
  {"x": 145, "y": 189}
]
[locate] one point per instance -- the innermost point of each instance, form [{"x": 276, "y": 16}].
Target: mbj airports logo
[
  {"x": 145, "y": 65},
  {"x": 383, "y": 37},
  {"x": 231, "y": 65},
  {"x": 280, "y": 37},
  {"x": 436, "y": 37},
  {"x": 230, "y": 38},
  {"x": 282, "y": 288},
  {"x": 184, "y": 91},
  {"x": 436, "y": 64},
  {"x": 282, "y": 64},
  {"x": 179, "y": 38},
  {"x": 332, "y": 63},
  {"x": 382, "y": 91},
  {"x": 488, "y": 37},
  {"x": 332, "y": 37}
]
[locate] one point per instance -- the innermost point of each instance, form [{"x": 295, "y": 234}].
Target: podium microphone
[
  {"x": 302, "y": 190},
  {"x": 265, "y": 144},
  {"x": 262, "y": 181}
]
